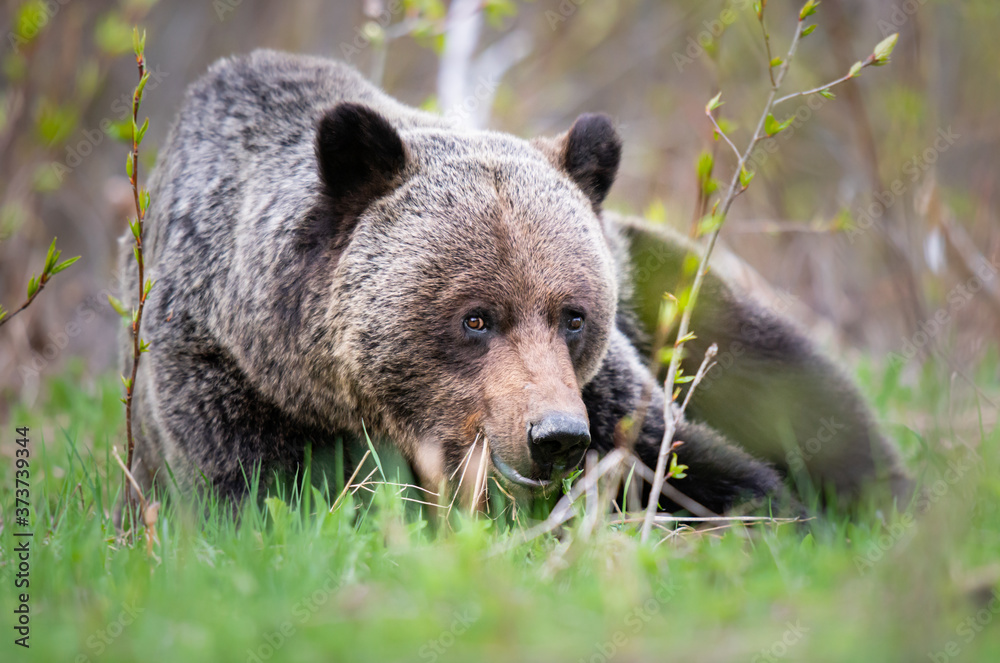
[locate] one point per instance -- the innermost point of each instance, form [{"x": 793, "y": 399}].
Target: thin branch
[
  {"x": 140, "y": 211},
  {"x": 666, "y": 518},
  {"x": 670, "y": 492},
  {"x": 870, "y": 61},
  {"x": 150, "y": 512},
  {"x": 706, "y": 365},
  {"x": 767, "y": 46},
  {"x": 347, "y": 485},
  {"x": 4, "y": 319},
  {"x": 480, "y": 484},
  {"x": 723, "y": 134}
]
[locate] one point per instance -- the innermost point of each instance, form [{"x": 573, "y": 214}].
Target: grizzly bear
[{"x": 329, "y": 261}]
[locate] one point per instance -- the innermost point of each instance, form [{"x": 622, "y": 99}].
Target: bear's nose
[{"x": 558, "y": 440}]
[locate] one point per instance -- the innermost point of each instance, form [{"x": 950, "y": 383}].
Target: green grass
[{"x": 373, "y": 581}]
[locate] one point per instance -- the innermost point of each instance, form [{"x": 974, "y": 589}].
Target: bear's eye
[
  {"x": 475, "y": 323},
  {"x": 574, "y": 322}
]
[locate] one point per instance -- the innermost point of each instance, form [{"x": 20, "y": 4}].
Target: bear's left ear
[
  {"x": 589, "y": 153},
  {"x": 360, "y": 157}
]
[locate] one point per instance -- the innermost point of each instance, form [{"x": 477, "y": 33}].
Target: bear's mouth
[{"x": 514, "y": 476}]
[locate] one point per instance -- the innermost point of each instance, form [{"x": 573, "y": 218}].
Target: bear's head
[{"x": 473, "y": 288}]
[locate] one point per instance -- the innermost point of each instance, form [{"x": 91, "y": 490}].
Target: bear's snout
[{"x": 558, "y": 441}]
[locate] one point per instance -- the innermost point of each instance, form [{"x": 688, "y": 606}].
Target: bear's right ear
[
  {"x": 589, "y": 153},
  {"x": 360, "y": 156}
]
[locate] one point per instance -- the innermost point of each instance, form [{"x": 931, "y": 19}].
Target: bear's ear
[
  {"x": 589, "y": 153},
  {"x": 360, "y": 156}
]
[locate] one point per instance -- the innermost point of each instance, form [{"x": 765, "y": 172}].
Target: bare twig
[
  {"x": 480, "y": 484},
  {"x": 5, "y": 318},
  {"x": 767, "y": 42},
  {"x": 706, "y": 365},
  {"x": 722, "y": 133},
  {"x": 870, "y": 61},
  {"x": 150, "y": 512},
  {"x": 670, "y": 492},
  {"x": 667, "y": 518},
  {"x": 347, "y": 485}
]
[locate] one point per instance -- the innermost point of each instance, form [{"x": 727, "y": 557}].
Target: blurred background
[{"x": 877, "y": 211}]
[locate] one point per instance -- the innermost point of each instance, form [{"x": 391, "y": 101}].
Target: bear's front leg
[
  {"x": 207, "y": 421},
  {"x": 719, "y": 475}
]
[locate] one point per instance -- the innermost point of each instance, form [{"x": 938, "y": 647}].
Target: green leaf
[
  {"x": 51, "y": 257},
  {"x": 143, "y": 346},
  {"x": 138, "y": 44},
  {"x": 704, "y": 167},
  {"x": 128, "y": 165},
  {"x": 677, "y": 471},
  {"x": 668, "y": 314},
  {"x": 32, "y": 287},
  {"x": 497, "y": 10},
  {"x": 142, "y": 131},
  {"x": 808, "y": 10},
  {"x": 122, "y": 131},
  {"x": 808, "y": 30},
  {"x": 55, "y": 123},
  {"x": 656, "y": 212},
  {"x": 826, "y": 93},
  {"x": 771, "y": 126},
  {"x": 746, "y": 177},
  {"x": 3, "y": 313},
  {"x": 142, "y": 85},
  {"x": 776, "y": 62},
  {"x": 885, "y": 47},
  {"x": 127, "y": 382},
  {"x": 149, "y": 286},
  {"x": 117, "y": 305},
  {"x": 29, "y": 21},
  {"x": 144, "y": 200},
  {"x": 709, "y": 224},
  {"x": 855, "y": 69},
  {"x": 64, "y": 264},
  {"x": 714, "y": 103},
  {"x": 48, "y": 177},
  {"x": 111, "y": 34}
]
